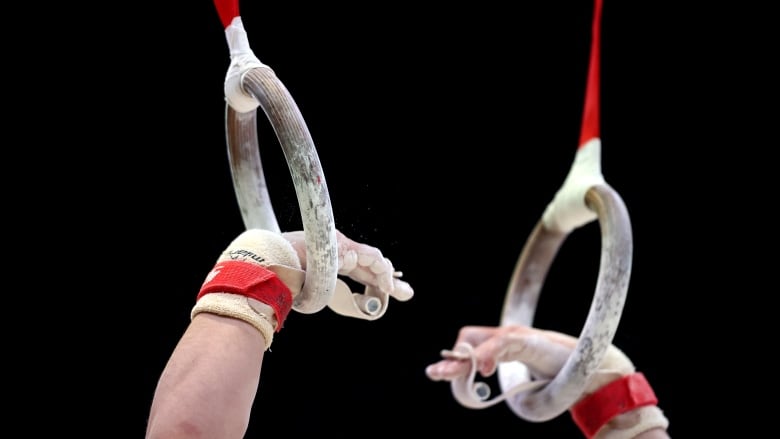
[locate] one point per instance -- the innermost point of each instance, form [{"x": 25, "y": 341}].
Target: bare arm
[{"x": 208, "y": 386}]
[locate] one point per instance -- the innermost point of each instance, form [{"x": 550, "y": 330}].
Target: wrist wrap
[
  {"x": 622, "y": 395},
  {"x": 253, "y": 281}
]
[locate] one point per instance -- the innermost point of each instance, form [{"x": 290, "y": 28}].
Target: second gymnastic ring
[{"x": 599, "y": 329}]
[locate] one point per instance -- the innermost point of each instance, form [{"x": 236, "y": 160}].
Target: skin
[{"x": 207, "y": 387}]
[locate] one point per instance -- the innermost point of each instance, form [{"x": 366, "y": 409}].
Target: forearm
[{"x": 208, "y": 386}]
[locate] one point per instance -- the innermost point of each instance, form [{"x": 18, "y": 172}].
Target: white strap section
[
  {"x": 242, "y": 59},
  {"x": 238, "y": 307},
  {"x": 568, "y": 211},
  {"x": 370, "y": 305}
]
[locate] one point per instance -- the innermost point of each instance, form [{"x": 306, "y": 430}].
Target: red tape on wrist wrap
[
  {"x": 250, "y": 280},
  {"x": 620, "y": 396}
]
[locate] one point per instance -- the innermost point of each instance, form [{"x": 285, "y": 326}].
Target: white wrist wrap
[
  {"x": 233, "y": 289},
  {"x": 641, "y": 419},
  {"x": 236, "y": 306}
]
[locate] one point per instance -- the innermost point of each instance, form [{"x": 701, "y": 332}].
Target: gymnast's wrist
[{"x": 632, "y": 424}]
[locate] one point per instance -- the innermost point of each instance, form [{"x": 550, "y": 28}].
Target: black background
[{"x": 443, "y": 134}]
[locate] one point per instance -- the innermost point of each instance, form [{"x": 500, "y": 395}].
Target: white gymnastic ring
[
  {"x": 557, "y": 396},
  {"x": 307, "y": 175}
]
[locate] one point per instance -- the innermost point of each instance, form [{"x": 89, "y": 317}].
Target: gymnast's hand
[
  {"x": 360, "y": 262},
  {"x": 601, "y": 410},
  {"x": 543, "y": 352}
]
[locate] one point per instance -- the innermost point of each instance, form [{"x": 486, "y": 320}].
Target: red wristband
[
  {"x": 250, "y": 280},
  {"x": 618, "y": 397}
]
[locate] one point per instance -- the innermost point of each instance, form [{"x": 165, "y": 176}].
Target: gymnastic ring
[
  {"x": 599, "y": 329},
  {"x": 307, "y": 175}
]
